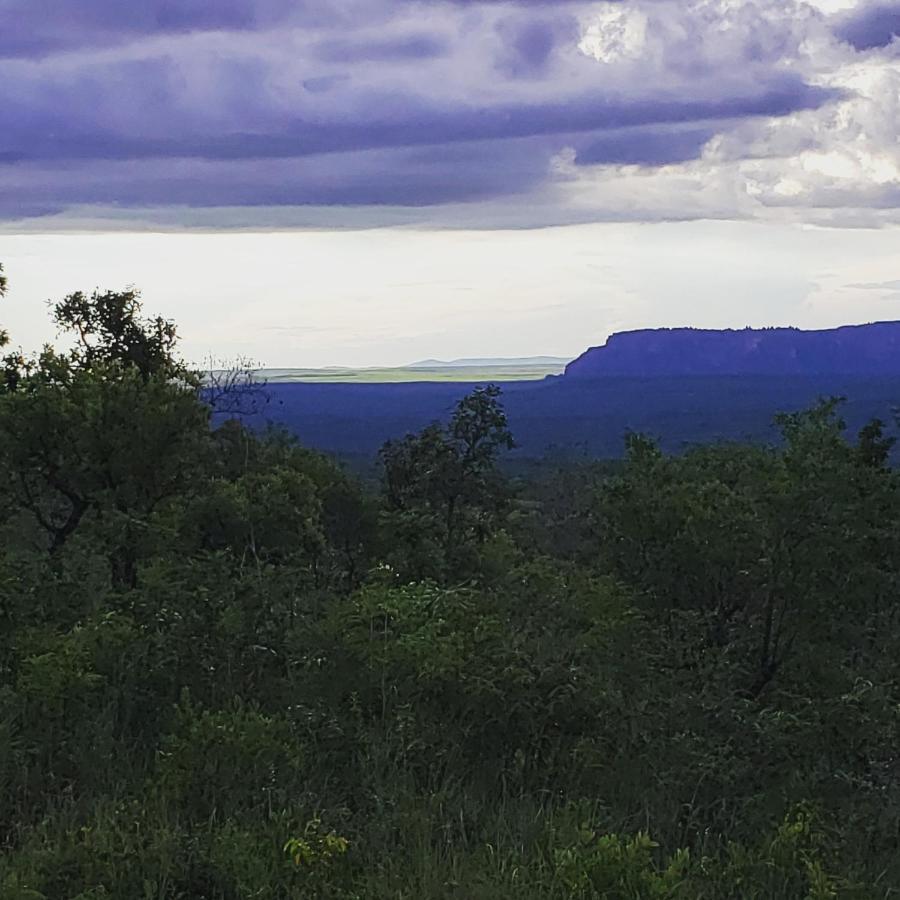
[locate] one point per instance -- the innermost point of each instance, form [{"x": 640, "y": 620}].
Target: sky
[{"x": 370, "y": 182}]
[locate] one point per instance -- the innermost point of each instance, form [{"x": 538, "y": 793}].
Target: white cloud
[
  {"x": 612, "y": 32},
  {"x": 836, "y": 164}
]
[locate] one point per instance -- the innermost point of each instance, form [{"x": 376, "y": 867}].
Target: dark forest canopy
[{"x": 230, "y": 670}]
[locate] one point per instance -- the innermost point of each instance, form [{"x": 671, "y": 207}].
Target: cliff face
[{"x": 851, "y": 350}]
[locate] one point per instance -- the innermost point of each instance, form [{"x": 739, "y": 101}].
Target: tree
[
  {"x": 754, "y": 553},
  {"x": 11, "y": 363},
  {"x": 109, "y": 329},
  {"x": 442, "y": 487},
  {"x": 480, "y": 430},
  {"x": 104, "y": 433},
  {"x": 873, "y": 447},
  {"x": 233, "y": 390}
]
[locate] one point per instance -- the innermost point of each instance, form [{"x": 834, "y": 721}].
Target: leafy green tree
[
  {"x": 873, "y": 446},
  {"x": 342, "y": 515},
  {"x": 753, "y": 545},
  {"x": 86, "y": 447},
  {"x": 261, "y": 518},
  {"x": 11, "y": 363},
  {"x": 442, "y": 487},
  {"x": 105, "y": 433},
  {"x": 109, "y": 330}
]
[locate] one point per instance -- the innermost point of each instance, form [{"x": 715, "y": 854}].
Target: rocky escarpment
[{"x": 850, "y": 350}]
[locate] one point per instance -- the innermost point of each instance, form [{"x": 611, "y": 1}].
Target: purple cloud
[
  {"x": 871, "y": 27},
  {"x": 46, "y": 26},
  {"x": 131, "y": 111},
  {"x": 40, "y": 27},
  {"x": 533, "y": 44},
  {"x": 416, "y": 46},
  {"x": 644, "y": 147},
  {"x": 268, "y": 103},
  {"x": 530, "y": 42},
  {"x": 416, "y": 177}
]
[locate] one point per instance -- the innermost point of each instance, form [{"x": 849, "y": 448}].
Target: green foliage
[
  {"x": 227, "y": 670},
  {"x": 260, "y": 517},
  {"x": 217, "y": 763},
  {"x": 789, "y": 863},
  {"x": 110, "y": 331},
  {"x": 314, "y": 850},
  {"x": 610, "y": 866},
  {"x": 443, "y": 493},
  {"x": 99, "y": 450}
]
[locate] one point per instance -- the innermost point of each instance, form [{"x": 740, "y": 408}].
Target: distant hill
[
  {"x": 489, "y": 362},
  {"x": 459, "y": 370},
  {"x": 681, "y": 386},
  {"x": 859, "y": 350}
]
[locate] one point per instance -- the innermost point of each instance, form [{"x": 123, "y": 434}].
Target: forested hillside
[
  {"x": 229, "y": 670},
  {"x": 571, "y": 418}
]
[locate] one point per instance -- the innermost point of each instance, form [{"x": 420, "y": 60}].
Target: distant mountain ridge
[
  {"x": 864, "y": 350},
  {"x": 488, "y": 362}
]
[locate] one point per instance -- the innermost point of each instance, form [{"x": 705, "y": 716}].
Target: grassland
[{"x": 399, "y": 375}]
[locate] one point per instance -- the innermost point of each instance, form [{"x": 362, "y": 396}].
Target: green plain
[{"x": 473, "y": 374}]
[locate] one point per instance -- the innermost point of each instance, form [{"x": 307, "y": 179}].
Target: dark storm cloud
[
  {"x": 267, "y": 103},
  {"x": 76, "y": 118},
  {"x": 529, "y": 42},
  {"x": 646, "y": 148},
  {"x": 405, "y": 177},
  {"x": 871, "y": 27},
  {"x": 38, "y": 27}
]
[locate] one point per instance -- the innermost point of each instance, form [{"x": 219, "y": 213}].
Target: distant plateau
[{"x": 681, "y": 386}]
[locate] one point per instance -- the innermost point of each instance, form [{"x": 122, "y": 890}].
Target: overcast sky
[{"x": 375, "y": 181}]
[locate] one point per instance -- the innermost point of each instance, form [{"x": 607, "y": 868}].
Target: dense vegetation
[
  {"x": 228, "y": 670},
  {"x": 572, "y": 418}
]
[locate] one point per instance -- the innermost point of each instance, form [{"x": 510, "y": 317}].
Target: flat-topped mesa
[{"x": 850, "y": 350}]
